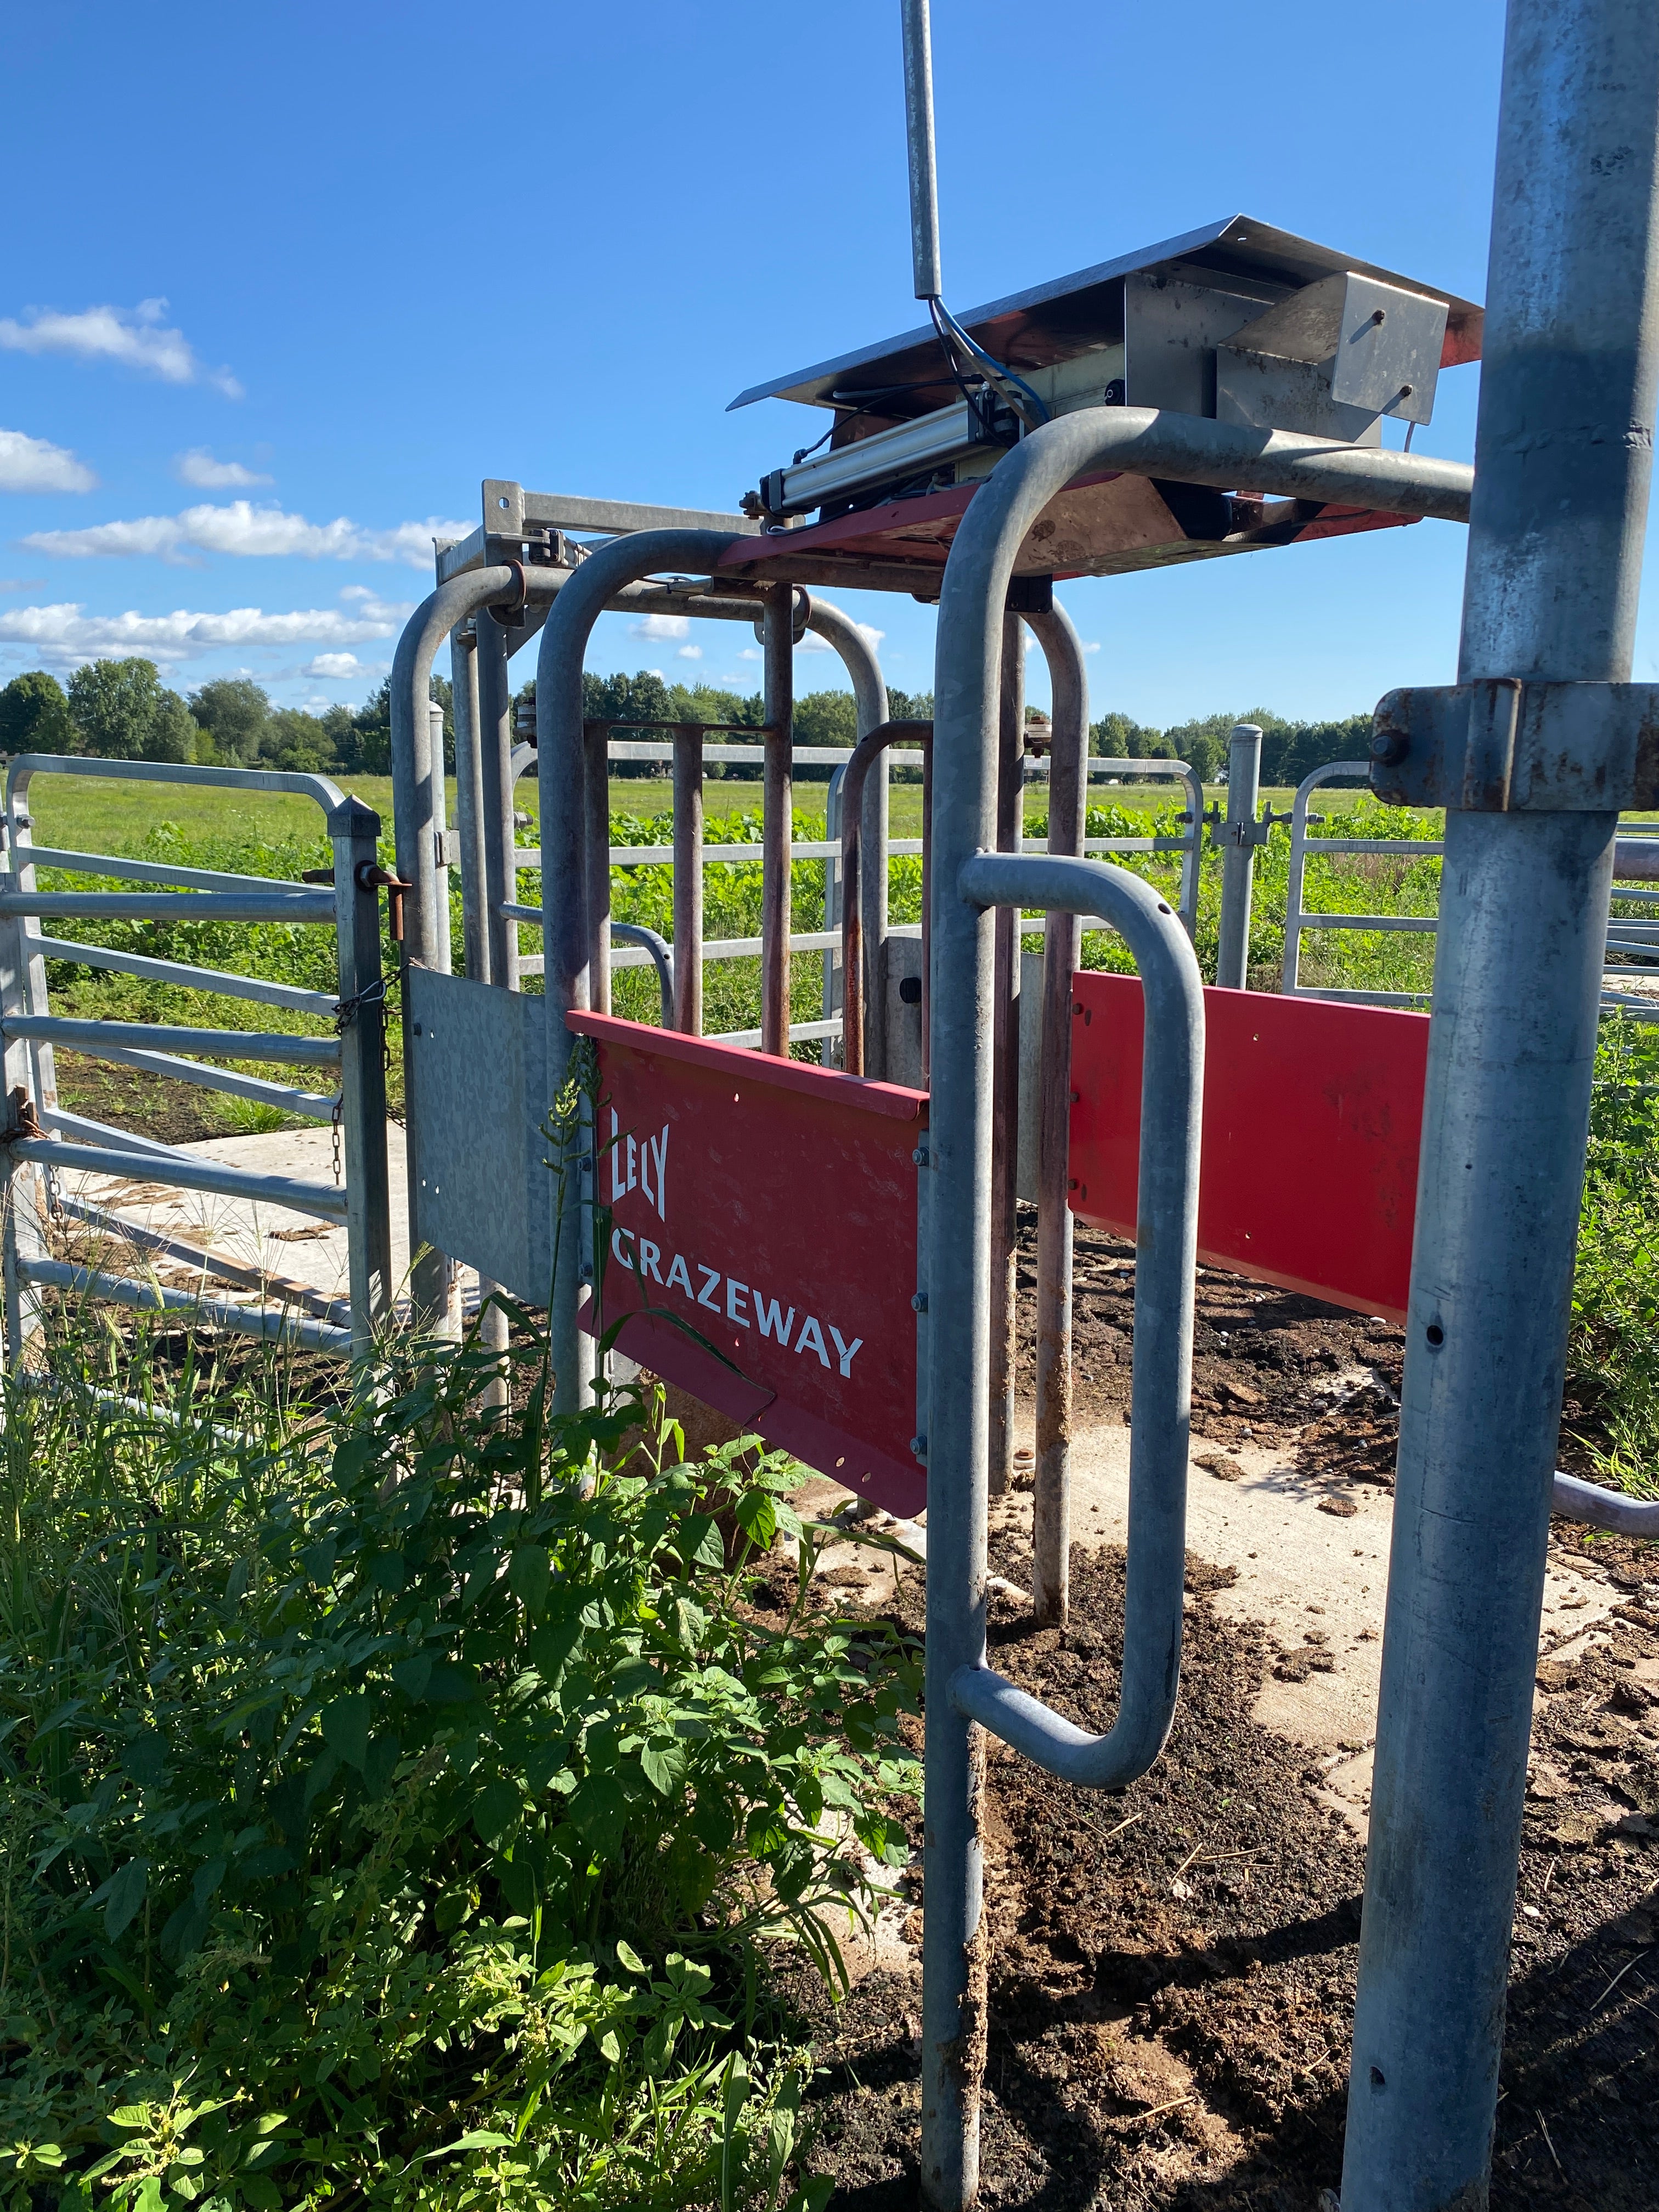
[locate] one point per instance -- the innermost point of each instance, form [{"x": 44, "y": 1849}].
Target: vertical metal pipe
[
  {"x": 688, "y": 880},
  {"x": 927, "y": 914},
  {"x": 1232, "y": 967},
  {"x": 1563, "y": 447},
  {"x": 354, "y": 830},
  {"x": 469, "y": 800},
  {"x": 597, "y": 835},
  {"x": 833, "y": 962},
  {"x": 778, "y": 643},
  {"x": 495, "y": 792},
  {"x": 919, "y": 140},
  {"x": 1005, "y": 1153},
  {"x": 859, "y": 657},
  {"x": 561, "y": 772},
  {"x": 1063, "y": 944}
]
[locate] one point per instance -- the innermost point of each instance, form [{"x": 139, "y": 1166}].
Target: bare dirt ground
[{"x": 1172, "y": 1971}]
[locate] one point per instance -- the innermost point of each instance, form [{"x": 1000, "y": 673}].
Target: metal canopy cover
[{"x": 1070, "y": 315}]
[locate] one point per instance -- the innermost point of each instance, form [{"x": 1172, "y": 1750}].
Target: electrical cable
[{"x": 951, "y": 334}]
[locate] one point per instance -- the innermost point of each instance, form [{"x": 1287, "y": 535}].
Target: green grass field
[{"x": 1615, "y": 1373}]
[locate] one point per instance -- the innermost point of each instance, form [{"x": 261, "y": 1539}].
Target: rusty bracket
[
  {"x": 370, "y": 877},
  {"x": 1501, "y": 746}
]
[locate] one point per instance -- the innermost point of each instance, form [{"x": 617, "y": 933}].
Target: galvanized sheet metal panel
[{"x": 477, "y": 1079}]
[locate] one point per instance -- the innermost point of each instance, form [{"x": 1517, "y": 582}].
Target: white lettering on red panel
[{"x": 641, "y": 1163}]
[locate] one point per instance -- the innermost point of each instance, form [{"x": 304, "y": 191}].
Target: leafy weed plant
[{"x": 397, "y": 1799}]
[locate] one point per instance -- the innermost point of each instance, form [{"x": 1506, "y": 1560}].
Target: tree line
[{"x": 121, "y": 710}]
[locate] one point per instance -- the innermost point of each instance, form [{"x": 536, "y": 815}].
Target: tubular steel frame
[{"x": 31, "y": 1031}]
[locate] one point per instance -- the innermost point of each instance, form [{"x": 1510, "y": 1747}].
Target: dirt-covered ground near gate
[{"x": 1172, "y": 1971}]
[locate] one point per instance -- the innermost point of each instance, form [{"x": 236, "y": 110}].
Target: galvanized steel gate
[{"x": 34, "y": 1151}]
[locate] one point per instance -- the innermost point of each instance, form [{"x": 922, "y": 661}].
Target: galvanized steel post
[
  {"x": 1068, "y": 752},
  {"x": 354, "y": 830},
  {"x": 468, "y": 799},
  {"x": 495, "y": 786},
  {"x": 562, "y": 773},
  {"x": 1004, "y": 1083},
  {"x": 777, "y": 827},
  {"x": 1563, "y": 450},
  {"x": 859, "y": 657},
  {"x": 1238, "y": 850},
  {"x": 688, "y": 880}
]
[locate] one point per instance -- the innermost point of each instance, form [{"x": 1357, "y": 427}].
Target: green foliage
[
  {"x": 1290, "y": 751},
  {"x": 233, "y": 711},
  {"x": 1614, "y": 1357},
  {"x": 121, "y": 711},
  {"x": 395, "y": 1801},
  {"x": 34, "y": 715}
]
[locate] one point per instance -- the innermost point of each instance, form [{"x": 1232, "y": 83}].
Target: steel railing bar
[
  {"x": 1424, "y": 924},
  {"x": 217, "y": 980},
  {"x": 97, "y": 1036},
  {"x": 798, "y": 1032},
  {"x": 150, "y": 1297},
  {"x": 312, "y": 1105},
  {"x": 304, "y": 906},
  {"x": 195, "y": 1174},
  {"x": 88, "y": 1132},
  {"x": 317, "y": 788},
  {"x": 150, "y": 872}
]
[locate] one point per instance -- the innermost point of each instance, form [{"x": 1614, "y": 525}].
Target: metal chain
[{"x": 339, "y": 1109}]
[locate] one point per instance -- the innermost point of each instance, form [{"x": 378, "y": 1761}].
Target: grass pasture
[{"x": 1617, "y": 1377}]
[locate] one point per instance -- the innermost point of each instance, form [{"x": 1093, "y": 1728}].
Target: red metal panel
[
  {"x": 771, "y": 1207},
  {"x": 1313, "y": 1113}
]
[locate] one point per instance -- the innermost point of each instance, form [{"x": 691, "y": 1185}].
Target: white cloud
[
  {"x": 690, "y": 653},
  {"x": 658, "y": 628},
  {"x": 658, "y": 673},
  {"x": 341, "y": 668},
  {"x": 199, "y": 468},
  {"x": 813, "y": 643},
  {"x": 135, "y": 337},
  {"x": 22, "y": 583},
  {"x": 65, "y": 634},
  {"x": 751, "y": 652},
  {"x": 243, "y": 529},
  {"x": 35, "y": 464},
  {"x": 1091, "y": 645}
]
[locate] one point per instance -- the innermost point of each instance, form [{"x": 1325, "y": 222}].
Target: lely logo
[{"x": 640, "y": 1163}]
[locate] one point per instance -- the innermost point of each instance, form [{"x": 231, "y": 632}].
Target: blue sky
[{"x": 282, "y": 284}]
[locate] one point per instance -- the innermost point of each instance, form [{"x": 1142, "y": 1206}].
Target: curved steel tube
[
  {"x": 967, "y": 698},
  {"x": 561, "y": 772},
  {"x": 859, "y": 950},
  {"x": 1166, "y": 1239},
  {"x": 662, "y": 959},
  {"x": 1577, "y": 1500}
]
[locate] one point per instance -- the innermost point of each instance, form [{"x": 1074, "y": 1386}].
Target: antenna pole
[{"x": 918, "y": 133}]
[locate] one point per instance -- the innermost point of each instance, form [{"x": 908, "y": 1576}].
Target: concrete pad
[
  {"x": 277, "y": 1241},
  {"x": 1316, "y": 1581}
]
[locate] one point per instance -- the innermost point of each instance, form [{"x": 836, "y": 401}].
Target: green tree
[
  {"x": 115, "y": 704},
  {"x": 233, "y": 710},
  {"x": 34, "y": 715},
  {"x": 173, "y": 733},
  {"x": 297, "y": 743}
]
